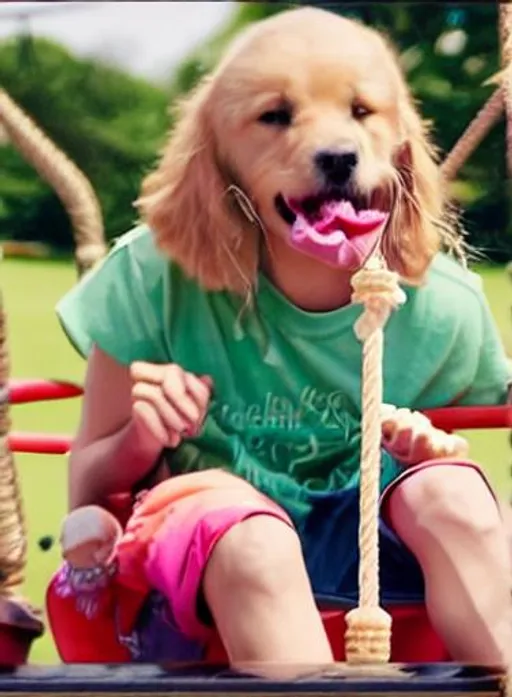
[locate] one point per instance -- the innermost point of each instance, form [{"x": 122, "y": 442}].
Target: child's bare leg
[
  {"x": 259, "y": 594},
  {"x": 449, "y": 520},
  {"x": 506, "y": 514}
]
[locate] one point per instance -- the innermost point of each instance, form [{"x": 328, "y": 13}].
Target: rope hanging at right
[
  {"x": 505, "y": 30},
  {"x": 368, "y": 635},
  {"x": 506, "y": 53},
  {"x": 474, "y": 134}
]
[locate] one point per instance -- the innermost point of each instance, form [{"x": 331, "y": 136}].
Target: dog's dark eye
[
  {"x": 359, "y": 111},
  {"x": 276, "y": 117}
]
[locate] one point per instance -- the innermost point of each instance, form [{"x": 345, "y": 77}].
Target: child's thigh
[
  {"x": 181, "y": 549},
  {"x": 506, "y": 512},
  {"x": 439, "y": 496}
]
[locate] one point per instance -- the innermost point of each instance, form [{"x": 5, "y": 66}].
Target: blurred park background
[{"x": 105, "y": 103}]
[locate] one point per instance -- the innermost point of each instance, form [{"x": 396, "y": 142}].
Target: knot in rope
[{"x": 377, "y": 288}]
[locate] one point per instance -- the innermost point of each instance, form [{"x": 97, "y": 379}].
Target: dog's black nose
[{"x": 336, "y": 166}]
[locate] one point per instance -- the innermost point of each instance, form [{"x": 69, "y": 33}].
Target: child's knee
[
  {"x": 444, "y": 498},
  {"x": 261, "y": 554}
]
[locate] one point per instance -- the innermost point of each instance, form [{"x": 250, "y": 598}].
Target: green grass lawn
[{"x": 39, "y": 349}]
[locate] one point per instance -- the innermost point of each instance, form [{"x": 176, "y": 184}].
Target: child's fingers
[
  {"x": 200, "y": 388},
  {"x": 437, "y": 444},
  {"x": 402, "y": 441},
  {"x": 150, "y": 418},
  {"x": 461, "y": 446},
  {"x": 456, "y": 446},
  {"x": 169, "y": 416},
  {"x": 175, "y": 389},
  {"x": 388, "y": 430},
  {"x": 397, "y": 421},
  {"x": 410, "y": 437},
  {"x": 187, "y": 393},
  {"x": 153, "y": 373},
  {"x": 207, "y": 380},
  {"x": 421, "y": 449}
]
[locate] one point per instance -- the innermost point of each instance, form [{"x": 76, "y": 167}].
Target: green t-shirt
[{"x": 285, "y": 413}]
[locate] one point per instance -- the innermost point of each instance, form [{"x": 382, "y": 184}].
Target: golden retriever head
[{"x": 306, "y": 106}]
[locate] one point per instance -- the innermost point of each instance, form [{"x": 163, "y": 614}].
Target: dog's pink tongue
[
  {"x": 340, "y": 235},
  {"x": 341, "y": 215}
]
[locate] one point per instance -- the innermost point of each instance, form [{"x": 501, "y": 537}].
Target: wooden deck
[{"x": 442, "y": 680}]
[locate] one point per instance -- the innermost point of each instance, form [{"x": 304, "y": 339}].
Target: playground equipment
[{"x": 20, "y": 624}]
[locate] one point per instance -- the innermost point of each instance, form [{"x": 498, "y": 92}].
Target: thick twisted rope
[
  {"x": 69, "y": 183},
  {"x": 506, "y": 52},
  {"x": 505, "y": 29},
  {"x": 474, "y": 134},
  {"x": 368, "y": 636},
  {"x": 13, "y": 545}
]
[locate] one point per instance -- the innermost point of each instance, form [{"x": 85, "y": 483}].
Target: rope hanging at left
[
  {"x": 20, "y": 623},
  {"x": 12, "y": 522}
]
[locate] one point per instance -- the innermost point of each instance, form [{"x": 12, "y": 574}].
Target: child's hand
[
  {"x": 410, "y": 437},
  {"x": 89, "y": 536},
  {"x": 169, "y": 402}
]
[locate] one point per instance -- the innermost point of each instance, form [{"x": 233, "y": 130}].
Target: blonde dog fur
[{"x": 342, "y": 83}]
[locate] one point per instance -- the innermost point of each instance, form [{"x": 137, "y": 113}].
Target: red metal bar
[
  {"x": 26, "y": 391},
  {"x": 447, "y": 418},
  {"x": 40, "y": 443},
  {"x": 467, "y": 418}
]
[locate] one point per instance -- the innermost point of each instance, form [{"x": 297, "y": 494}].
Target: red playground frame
[{"x": 29, "y": 391}]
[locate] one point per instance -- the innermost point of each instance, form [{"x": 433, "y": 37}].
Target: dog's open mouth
[{"x": 340, "y": 231}]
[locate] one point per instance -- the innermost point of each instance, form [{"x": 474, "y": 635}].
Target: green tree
[{"x": 109, "y": 123}]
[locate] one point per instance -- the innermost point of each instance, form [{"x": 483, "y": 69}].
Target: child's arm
[
  {"x": 111, "y": 451},
  {"x": 128, "y": 416}
]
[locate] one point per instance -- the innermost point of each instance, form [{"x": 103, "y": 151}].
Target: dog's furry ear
[
  {"x": 186, "y": 203},
  {"x": 419, "y": 218}
]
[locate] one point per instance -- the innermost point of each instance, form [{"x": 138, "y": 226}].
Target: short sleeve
[
  {"x": 493, "y": 372},
  {"x": 119, "y": 305}
]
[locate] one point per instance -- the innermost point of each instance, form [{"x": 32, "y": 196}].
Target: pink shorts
[
  {"x": 204, "y": 506},
  {"x": 199, "y": 508},
  {"x": 174, "y": 529}
]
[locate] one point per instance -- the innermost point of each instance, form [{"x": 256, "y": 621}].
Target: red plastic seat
[{"x": 413, "y": 638}]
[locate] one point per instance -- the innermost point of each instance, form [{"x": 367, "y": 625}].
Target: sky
[{"x": 147, "y": 38}]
